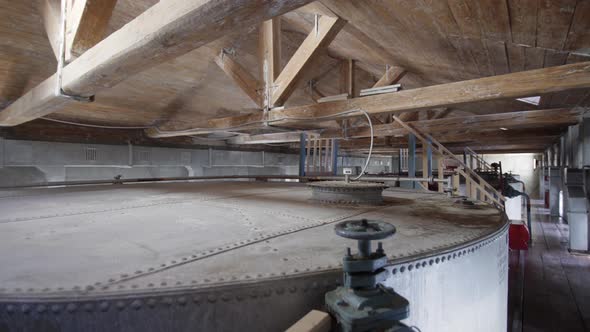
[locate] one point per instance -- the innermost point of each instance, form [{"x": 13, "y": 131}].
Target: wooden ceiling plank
[
  {"x": 523, "y": 21},
  {"x": 553, "y": 22},
  {"x": 534, "y": 58},
  {"x": 466, "y": 16},
  {"x": 554, "y": 58},
  {"x": 462, "y": 50},
  {"x": 495, "y": 19},
  {"x": 161, "y": 33},
  {"x": 480, "y": 55},
  {"x": 87, "y": 23},
  {"x": 578, "y": 37},
  {"x": 392, "y": 76},
  {"x": 246, "y": 82},
  {"x": 50, "y": 11},
  {"x": 498, "y": 57},
  {"x": 516, "y": 57},
  {"x": 316, "y": 41}
]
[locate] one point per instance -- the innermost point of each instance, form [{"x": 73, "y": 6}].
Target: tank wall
[{"x": 467, "y": 293}]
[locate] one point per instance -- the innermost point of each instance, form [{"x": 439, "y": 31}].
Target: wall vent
[
  {"x": 144, "y": 156},
  {"x": 91, "y": 154}
]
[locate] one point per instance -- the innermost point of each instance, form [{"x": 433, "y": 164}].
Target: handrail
[
  {"x": 480, "y": 160},
  {"x": 486, "y": 189}
]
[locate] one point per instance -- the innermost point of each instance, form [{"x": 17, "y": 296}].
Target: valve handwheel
[{"x": 364, "y": 229}]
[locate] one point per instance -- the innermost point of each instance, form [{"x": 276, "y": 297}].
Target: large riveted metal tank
[{"x": 234, "y": 256}]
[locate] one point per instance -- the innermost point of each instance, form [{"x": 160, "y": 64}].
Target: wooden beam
[
  {"x": 314, "y": 321},
  {"x": 86, "y": 25},
  {"x": 513, "y": 85},
  {"x": 270, "y": 48},
  {"x": 392, "y": 75},
  {"x": 316, "y": 41},
  {"x": 51, "y": 12},
  {"x": 520, "y": 84},
  {"x": 510, "y": 120},
  {"x": 241, "y": 77},
  {"x": 270, "y": 55},
  {"x": 163, "y": 32},
  {"x": 287, "y": 137}
]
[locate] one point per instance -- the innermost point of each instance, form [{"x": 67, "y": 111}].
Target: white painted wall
[
  {"x": 27, "y": 162},
  {"x": 521, "y": 164}
]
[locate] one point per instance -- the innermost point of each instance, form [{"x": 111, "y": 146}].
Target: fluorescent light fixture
[
  {"x": 502, "y": 128},
  {"x": 531, "y": 100}
]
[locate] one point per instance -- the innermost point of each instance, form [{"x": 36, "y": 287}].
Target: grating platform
[{"x": 185, "y": 250}]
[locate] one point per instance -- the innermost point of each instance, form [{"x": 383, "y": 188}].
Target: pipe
[
  {"x": 204, "y": 178},
  {"x": 528, "y": 215},
  {"x": 519, "y": 181}
]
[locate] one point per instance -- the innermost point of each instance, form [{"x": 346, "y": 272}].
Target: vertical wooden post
[
  {"x": 412, "y": 158},
  {"x": 308, "y": 154},
  {"x": 335, "y": 157},
  {"x": 424, "y": 163},
  {"x": 484, "y": 194},
  {"x": 315, "y": 154},
  {"x": 456, "y": 183},
  {"x": 441, "y": 174},
  {"x": 270, "y": 56},
  {"x": 302, "y": 151}
]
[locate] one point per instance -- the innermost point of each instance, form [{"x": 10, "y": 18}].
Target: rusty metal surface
[{"x": 188, "y": 256}]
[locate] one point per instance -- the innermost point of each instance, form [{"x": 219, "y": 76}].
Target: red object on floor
[{"x": 518, "y": 237}]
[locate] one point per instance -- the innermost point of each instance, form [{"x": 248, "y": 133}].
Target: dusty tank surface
[{"x": 234, "y": 256}]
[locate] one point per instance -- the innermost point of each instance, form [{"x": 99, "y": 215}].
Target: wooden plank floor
[{"x": 556, "y": 286}]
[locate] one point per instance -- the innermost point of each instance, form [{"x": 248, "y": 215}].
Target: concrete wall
[{"x": 26, "y": 162}]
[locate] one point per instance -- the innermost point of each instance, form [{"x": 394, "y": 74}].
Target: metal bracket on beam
[{"x": 82, "y": 99}]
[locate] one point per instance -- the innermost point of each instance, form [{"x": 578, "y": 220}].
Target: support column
[
  {"x": 335, "y": 157},
  {"x": 429, "y": 156},
  {"x": 412, "y": 158},
  {"x": 302, "y": 154},
  {"x": 1, "y": 152}
]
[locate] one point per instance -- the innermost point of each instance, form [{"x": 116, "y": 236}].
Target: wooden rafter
[
  {"x": 241, "y": 77},
  {"x": 270, "y": 55},
  {"x": 392, "y": 75},
  {"x": 284, "y": 85},
  {"x": 347, "y": 77},
  {"x": 50, "y": 11},
  {"x": 163, "y": 32},
  {"x": 87, "y": 23}
]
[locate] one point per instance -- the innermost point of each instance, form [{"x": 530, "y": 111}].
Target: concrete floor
[{"x": 166, "y": 234}]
